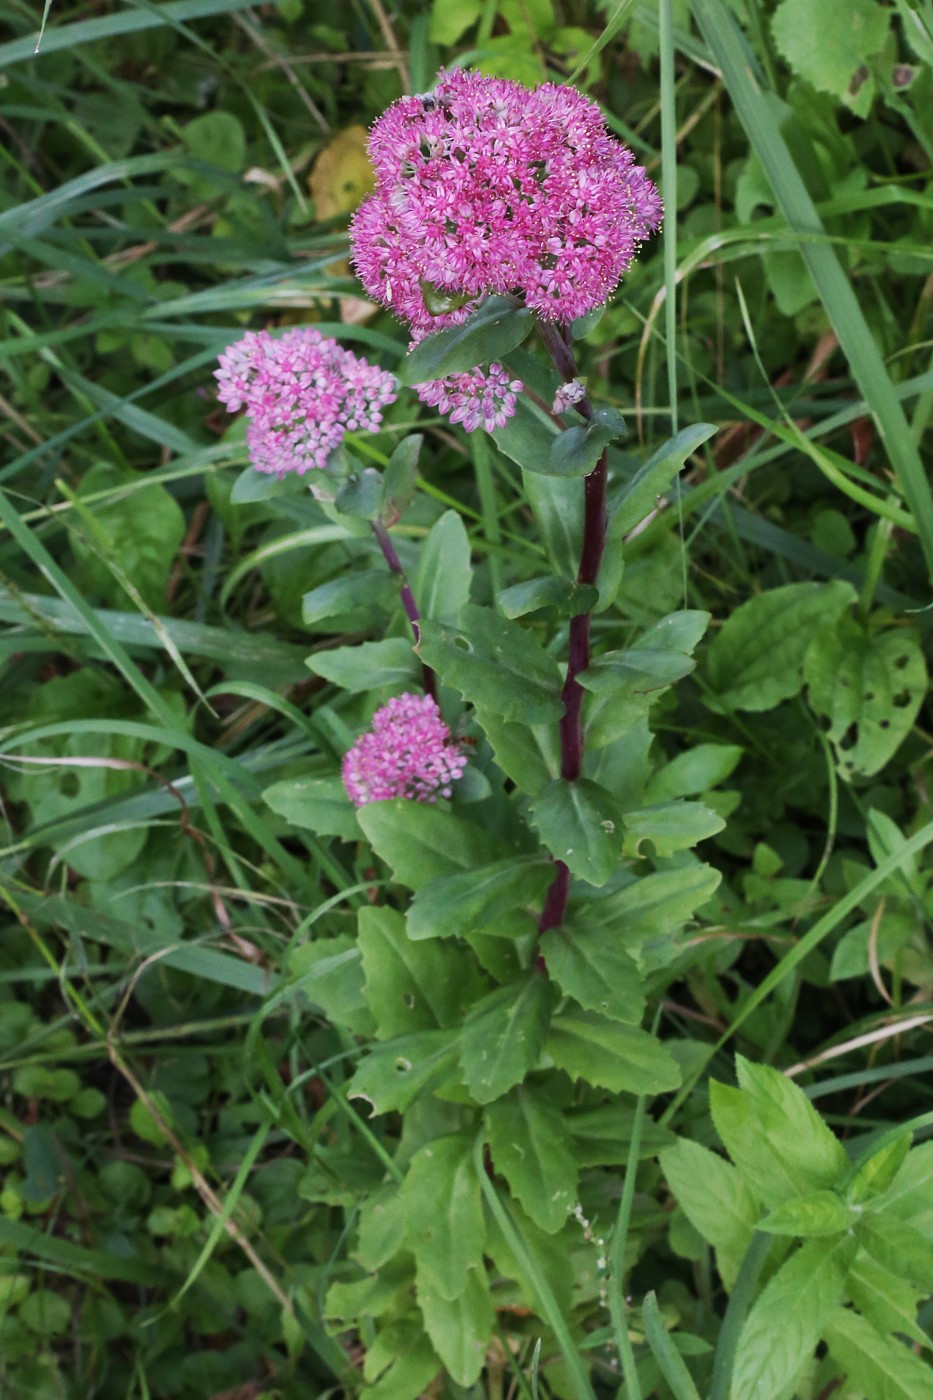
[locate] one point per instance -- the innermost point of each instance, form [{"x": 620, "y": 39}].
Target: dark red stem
[
  {"x": 559, "y": 346},
  {"x": 407, "y": 597}
]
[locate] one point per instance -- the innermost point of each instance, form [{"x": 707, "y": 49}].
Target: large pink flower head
[
  {"x": 486, "y": 186},
  {"x": 408, "y": 752},
  {"x": 301, "y": 392}
]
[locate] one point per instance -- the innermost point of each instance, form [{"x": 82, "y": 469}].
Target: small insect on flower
[{"x": 408, "y": 752}]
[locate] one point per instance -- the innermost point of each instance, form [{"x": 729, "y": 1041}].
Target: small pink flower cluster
[
  {"x": 479, "y": 398},
  {"x": 408, "y": 752},
  {"x": 485, "y": 186},
  {"x": 301, "y": 392}
]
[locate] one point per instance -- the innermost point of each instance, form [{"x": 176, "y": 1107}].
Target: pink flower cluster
[
  {"x": 479, "y": 398},
  {"x": 485, "y": 186},
  {"x": 408, "y": 752},
  {"x": 301, "y": 392}
]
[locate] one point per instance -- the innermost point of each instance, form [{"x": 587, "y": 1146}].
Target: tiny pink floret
[
  {"x": 302, "y": 392},
  {"x": 477, "y": 399},
  {"x": 408, "y": 752}
]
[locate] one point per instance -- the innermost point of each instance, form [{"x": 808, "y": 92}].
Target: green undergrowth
[{"x": 227, "y": 1061}]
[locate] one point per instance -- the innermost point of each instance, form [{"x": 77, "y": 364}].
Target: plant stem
[
  {"x": 407, "y": 597},
  {"x": 560, "y": 347}
]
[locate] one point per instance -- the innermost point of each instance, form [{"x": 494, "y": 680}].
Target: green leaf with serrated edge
[
  {"x": 528, "y": 754},
  {"x": 527, "y": 437},
  {"x": 421, "y": 843},
  {"x": 400, "y": 479},
  {"x": 370, "y": 1296},
  {"x": 775, "y": 1136},
  {"x": 364, "y": 667},
  {"x": 444, "y": 1214},
  {"x": 353, "y": 591},
  {"x": 398, "y": 1071},
  {"x": 694, "y": 771},
  {"x": 623, "y": 1059},
  {"x": 875, "y": 1174},
  {"x": 442, "y": 583},
  {"x": 496, "y": 664},
  {"x": 361, "y": 494},
  {"x": 459, "y": 904},
  {"x": 787, "y": 1320},
  {"x": 663, "y": 655},
  {"x": 756, "y": 659},
  {"x": 380, "y": 1227},
  {"x": 653, "y": 904},
  {"x": 413, "y": 1366},
  {"x": 411, "y": 986},
  {"x": 460, "y": 1329},
  {"x": 320, "y": 805},
  {"x": 870, "y": 687},
  {"x": 502, "y": 1037},
  {"x": 888, "y": 1302},
  {"x": 897, "y": 1246},
  {"x": 910, "y": 1195},
  {"x": 490, "y": 333},
  {"x": 548, "y": 1255},
  {"x": 670, "y": 827},
  {"x": 576, "y": 450},
  {"x": 885, "y": 1368},
  {"x": 590, "y": 965},
  {"x": 806, "y": 1217},
  {"x": 579, "y": 824},
  {"x": 559, "y": 593},
  {"x": 639, "y": 497},
  {"x": 602, "y": 1136},
  {"x": 530, "y": 1148},
  {"x": 330, "y": 974},
  {"x": 715, "y": 1200}
]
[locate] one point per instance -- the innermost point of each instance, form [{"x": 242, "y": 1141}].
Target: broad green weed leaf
[
  {"x": 788, "y": 1319},
  {"x": 693, "y": 772},
  {"x": 496, "y": 664},
  {"x": 368, "y": 1297},
  {"x": 806, "y": 1217},
  {"x": 530, "y": 1148},
  {"x": 662, "y": 655},
  {"x": 381, "y": 1227},
  {"x": 559, "y": 593},
  {"x": 442, "y": 583},
  {"x": 421, "y": 843},
  {"x": 503, "y": 1035},
  {"x": 360, "y": 592},
  {"x": 140, "y": 530},
  {"x": 557, "y": 507},
  {"x": 395, "y": 1073},
  {"x": 579, "y": 824},
  {"x": 602, "y": 1136},
  {"x": 656, "y": 904},
  {"x": 886, "y": 1369},
  {"x": 460, "y": 1329},
  {"x": 413, "y": 1366},
  {"x": 320, "y": 805},
  {"x": 450, "y": 19},
  {"x": 858, "y": 29},
  {"x": 367, "y": 666},
  {"x": 756, "y": 659},
  {"x": 444, "y": 1214},
  {"x": 870, "y": 687},
  {"x": 46, "y": 1313},
  {"x": 400, "y": 479},
  {"x": 456, "y": 905},
  {"x": 527, "y": 439},
  {"x": 715, "y": 1200},
  {"x": 590, "y": 965},
  {"x": 411, "y": 986},
  {"x": 623, "y": 1059},
  {"x": 488, "y": 335}
]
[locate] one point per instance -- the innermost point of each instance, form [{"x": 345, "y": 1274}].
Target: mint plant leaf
[
  {"x": 715, "y": 1200},
  {"x": 885, "y": 1367},
  {"x": 807, "y": 1217}
]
